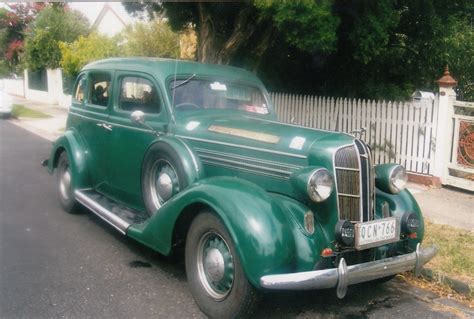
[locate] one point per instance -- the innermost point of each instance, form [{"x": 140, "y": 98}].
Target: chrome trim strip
[
  {"x": 109, "y": 217},
  {"x": 114, "y": 124},
  {"x": 242, "y": 146},
  {"x": 274, "y": 170},
  {"x": 348, "y": 169},
  {"x": 342, "y": 277},
  {"x": 361, "y": 201},
  {"x": 246, "y": 170},
  {"x": 348, "y": 195},
  {"x": 246, "y": 158}
]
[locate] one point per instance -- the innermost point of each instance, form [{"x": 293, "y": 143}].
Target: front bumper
[{"x": 344, "y": 275}]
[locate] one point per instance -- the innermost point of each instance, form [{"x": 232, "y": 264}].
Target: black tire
[
  {"x": 64, "y": 185},
  {"x": 227, "y": 296},
  {"x": 160, "y": 159}
]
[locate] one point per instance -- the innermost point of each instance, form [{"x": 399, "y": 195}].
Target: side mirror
[{"x": 138, "y": 116}]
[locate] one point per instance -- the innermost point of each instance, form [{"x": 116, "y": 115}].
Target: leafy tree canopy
[
  {"x": 14, "y": 21},
  {"x": 152, "y": 39},
  {"x": 54, "y": 24},
  {"x": 234, "y": 32},
  {"x": 370, "y": 49},
  {"x": 86, "y": 49}
]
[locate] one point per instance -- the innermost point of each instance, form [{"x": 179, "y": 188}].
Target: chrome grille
[
  {"x": 354, "y": 182},
  {"x": 346, "y": 161}
]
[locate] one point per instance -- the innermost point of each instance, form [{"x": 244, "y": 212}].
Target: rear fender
[
  {"x": 257, "y": 224},
  {"x": 77, "y": 155}
]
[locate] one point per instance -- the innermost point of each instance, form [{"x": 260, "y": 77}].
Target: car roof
[{"x": 164, "y": 68}]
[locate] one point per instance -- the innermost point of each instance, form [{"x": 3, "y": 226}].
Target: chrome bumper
[{"x": 344, "y": 275}]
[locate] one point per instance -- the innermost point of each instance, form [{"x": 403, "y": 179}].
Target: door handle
[{"x": 108, "y": 127}]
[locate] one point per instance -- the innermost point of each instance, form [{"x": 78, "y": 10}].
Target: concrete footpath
[{"x": 440, "y": 205}]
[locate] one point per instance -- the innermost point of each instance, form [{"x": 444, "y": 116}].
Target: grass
[
  {"x": 19, "y": 110},
  {"x": 455, "y": 259},
  {"x": 456, "y": 251}
]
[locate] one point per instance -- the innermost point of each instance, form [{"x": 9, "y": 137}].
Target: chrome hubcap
[
  {"x": 215, "y": 265},
  {"x": 163, "y": 182},
  {"x": 65, "y": 182}
]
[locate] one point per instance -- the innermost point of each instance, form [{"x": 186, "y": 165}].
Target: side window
[
  {"x": 137, "y": 93},
  {"x": 99, "y": 89},
  {"x": 79, "y": 89}
]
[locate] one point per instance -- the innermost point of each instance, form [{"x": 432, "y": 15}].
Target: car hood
[{"x": 260, "y": 133}]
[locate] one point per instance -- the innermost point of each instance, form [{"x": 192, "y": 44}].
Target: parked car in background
[
  {"x": 5, "y": 105},
  {"x": 179, "y": 154}
]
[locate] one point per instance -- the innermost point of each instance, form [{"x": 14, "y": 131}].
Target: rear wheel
[
  {"x": 64, "y": 184},
  {"x": 215, "y": 275}
]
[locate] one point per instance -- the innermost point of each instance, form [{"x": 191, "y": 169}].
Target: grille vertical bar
[
  {"x": 354, "y": 178},
  {"x": 346, "y": 161}
]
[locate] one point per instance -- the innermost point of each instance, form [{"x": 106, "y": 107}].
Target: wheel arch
[
  {"x": 190, "y": 161},
  {"x": 77, "y": 156},
  {"x": 260, "y": 229}
]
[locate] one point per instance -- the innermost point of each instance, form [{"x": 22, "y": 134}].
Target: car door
[
  {"x": 129, "y": 140},
  {"x": 94, "y": 128}
]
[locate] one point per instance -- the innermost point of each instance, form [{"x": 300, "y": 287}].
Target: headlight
[
  {"x": 320, "y": 185},
  {"x": 398, "y": 179},
  {"x": 391, "y": 178}
]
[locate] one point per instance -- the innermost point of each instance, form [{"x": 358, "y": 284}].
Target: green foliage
[
  {"x": 381, "y": 49},
  {"x": 306, "y": 24},
  {"x": 64, "y": 24},
  {"x": 42, "y": 51},
  {"x": 14, "y": 21},
  {"x": 77, "y": 54},
  {"x": 152, "y": 39},
  {"x": 53, "y": 25}
]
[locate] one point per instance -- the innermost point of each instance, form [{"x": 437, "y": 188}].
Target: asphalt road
[{"x": 56, "y": 265}]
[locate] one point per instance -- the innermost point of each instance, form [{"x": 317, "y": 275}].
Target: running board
[{"x": 111, "y": 212}]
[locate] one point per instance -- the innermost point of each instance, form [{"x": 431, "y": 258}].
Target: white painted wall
[{"x": 54, "y": 95}]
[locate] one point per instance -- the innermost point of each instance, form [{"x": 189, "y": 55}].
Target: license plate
[{"x": 376, "y": 233}]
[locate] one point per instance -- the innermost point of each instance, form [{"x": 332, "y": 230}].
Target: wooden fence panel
[{"x": 401, "y": 132}]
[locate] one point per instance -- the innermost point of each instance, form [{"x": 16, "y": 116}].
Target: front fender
[
  {"x": 75, "y": 149},
  {"x": 190, "y": 161},
  {"x": 257, "y": 224},
  {"x": 398, "y": 205}
]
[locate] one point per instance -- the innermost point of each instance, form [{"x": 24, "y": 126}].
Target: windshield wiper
[{"x": 184, "y": 82}]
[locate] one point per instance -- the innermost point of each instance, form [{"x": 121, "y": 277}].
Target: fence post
[{"x": 444, "y": 126}]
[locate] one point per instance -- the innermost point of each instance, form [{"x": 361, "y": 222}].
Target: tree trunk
[
  {"x": 206, "y": 48},
  {"x": 246, "y": 25}
]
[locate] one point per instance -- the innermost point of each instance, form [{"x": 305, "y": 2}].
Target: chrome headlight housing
[
  {"x": 398, "y": 179},
  {"x": 391, "y": 178},
  {"x": 320, "y": 185}
]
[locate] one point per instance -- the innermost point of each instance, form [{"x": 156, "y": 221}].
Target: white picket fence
[{"x": 401, "y": 132}]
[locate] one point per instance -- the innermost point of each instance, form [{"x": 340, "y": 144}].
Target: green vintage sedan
[{"x": 178, "y": 154}]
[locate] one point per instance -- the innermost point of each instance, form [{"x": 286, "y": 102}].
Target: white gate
[
  {"x": 461, "y": 164},
  {"x": 454, "y": 147}
]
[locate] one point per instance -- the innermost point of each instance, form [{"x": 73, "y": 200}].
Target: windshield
[{"x": 195, "y": 94}]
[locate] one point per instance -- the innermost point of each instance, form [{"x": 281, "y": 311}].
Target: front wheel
[{"x": 215, "y": 276}]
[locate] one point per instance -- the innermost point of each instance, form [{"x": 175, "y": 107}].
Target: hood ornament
[{"x": 359, "y": 133}]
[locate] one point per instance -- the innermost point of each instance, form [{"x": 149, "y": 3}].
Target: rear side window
[
  {"x": 99, "y": 89},
  {"x": 138, "y": 93},
  {"x": 79, "y": 89}
]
